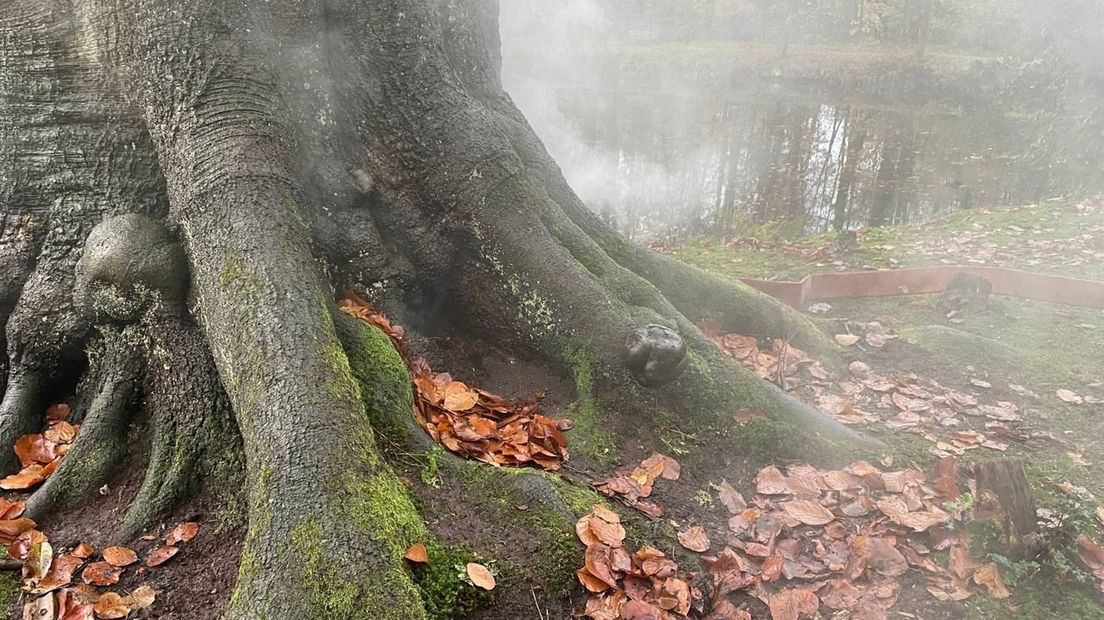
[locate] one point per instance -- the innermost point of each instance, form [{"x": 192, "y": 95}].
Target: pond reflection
[{"x": 668, "y": 156}]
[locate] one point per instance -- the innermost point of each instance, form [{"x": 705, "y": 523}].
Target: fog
[{"x": 674, "y": 119}]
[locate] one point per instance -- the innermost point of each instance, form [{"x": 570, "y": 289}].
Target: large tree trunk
[{"x": 292, "y": 150}]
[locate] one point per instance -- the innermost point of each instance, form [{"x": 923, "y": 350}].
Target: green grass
[
  {"x": 1044, "y": 347},
  {"x": 1009, "y": 229}
]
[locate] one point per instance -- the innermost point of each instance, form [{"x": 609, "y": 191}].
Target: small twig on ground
[{"x": 540, "y": 614}]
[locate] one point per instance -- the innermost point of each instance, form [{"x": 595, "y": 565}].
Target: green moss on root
[
  {"x": 235, "y": 273},
  {"x": 497, "y": 493},
  {"x": 332, "y": 596},
  {"x": 381, "y": 376},
  {"x": 379, "y": 505},
  {"x": 588, "y": 437},
  {"x": 445, "y": 589},
  {"x": 260, "y": 521}
]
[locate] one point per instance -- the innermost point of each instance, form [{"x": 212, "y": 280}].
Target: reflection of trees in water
[
  {"x": 817, "y": 113},
  {"x": 682, "y": 165}
]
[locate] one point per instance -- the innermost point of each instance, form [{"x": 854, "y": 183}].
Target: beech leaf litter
[
  {"x": 69, "y": 583},
  {"x": 633, "y": 486},
  {"x": 808, "y": 541},
  {"x": 40, "y": 454},
  {"x": 952, "y": 421},
  {"x": 823, "y": 543},
  {"x": 467, "y": 420}
]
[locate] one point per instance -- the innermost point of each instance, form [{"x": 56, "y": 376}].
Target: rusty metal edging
[{"x": 918, "y": 281}]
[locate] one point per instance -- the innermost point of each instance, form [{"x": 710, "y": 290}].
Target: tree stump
[
  {"x": 966, "y": 292},
  {"x": 1007, "y": 481}
]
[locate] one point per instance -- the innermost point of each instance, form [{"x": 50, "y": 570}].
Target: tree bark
[{"x": 293, "y": 150}]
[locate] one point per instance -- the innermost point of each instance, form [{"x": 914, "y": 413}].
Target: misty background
[{"x": 673, "y": 119}]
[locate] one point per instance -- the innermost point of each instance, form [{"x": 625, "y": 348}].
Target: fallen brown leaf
[
  {"x": 101, "y": 574},
  {"x": 960, "y": 562},
  {"x": 458, "y": 397},
  {"x": 989, "y": 576},
  {"x": 10, "y": 529},
  {"x": 111, "y": 605},
  {"x": 141, "y": 598},
  {"x": 417, "y": 553},
  {"x": 669, "y": 467},
  {"x": 641, "y": 610},
  {"x": 770, "y": 481},
  {"x": 40, "y": 608},
  {"x": 61, "y": 433},
  {"x": 790, "y": 604},
  {"x": 590, "y": 582},
  {"x": 60, "y": 573},
  {"x": 945, "y": 481},
  {"x": 161, "y": 555},
  {"x": 182, "y": 533},
  {"x": 120, "y": 556},
  {"x": 694, "y": 539},
  {"x": 72, "y": 604},
  {"x": 732, "y": 499},
  {"x": 26, "y": 478},
  {"x": 82, "y": 550},
  {"x": 35, "y": 448},
  {"x": 771, "y": 569},
  {"x": 591, "y": 529},
  {"x": 808, "y": 512},
  {"x": 480, "y": 576}
]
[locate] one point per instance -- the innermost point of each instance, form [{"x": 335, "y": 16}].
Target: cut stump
[
  {"x": 966, "y": 292},
  {"x": 1007, "y": 481}
]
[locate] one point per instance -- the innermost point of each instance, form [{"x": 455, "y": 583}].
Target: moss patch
[
  {"x": 447, "y": 592},
  {"x": 1037, "y": 600},
  {"x": 235, "y": 273},
  {"x": 9, "y": 583},
  {"x": 380, "y": 374},
  {"x": 588, "y": 436},
  {"x": 331, "y": 594},
  {"x": 496, "y": 492}
]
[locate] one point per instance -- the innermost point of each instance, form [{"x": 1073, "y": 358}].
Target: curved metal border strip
[{"x": 1011, "y": 282}]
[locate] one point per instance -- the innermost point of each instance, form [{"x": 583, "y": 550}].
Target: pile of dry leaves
[
  {"x": 47, "y": 574},
  {"x": 809, "y": 538},
  {"x": 41, "y": 453},
  {"x": 467, "y": 420},
  {"x": 632, "y": 487},
  {"x": 642, "y": 584},
  {"x": 953, "y": 421}
]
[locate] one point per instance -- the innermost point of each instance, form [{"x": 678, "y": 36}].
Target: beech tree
[{"x": 186, "y": 189}]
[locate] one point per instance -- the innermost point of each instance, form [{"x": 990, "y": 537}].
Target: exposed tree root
[
  {"x": 101, "y": 443},
  {"x": 191, "y": 426}
]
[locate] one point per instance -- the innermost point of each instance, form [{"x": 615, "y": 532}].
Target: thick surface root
[
  {"x": 191, "y": 427},
  {"x": 101, "y": 443},
  {"x": 148, "y": 363}
]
